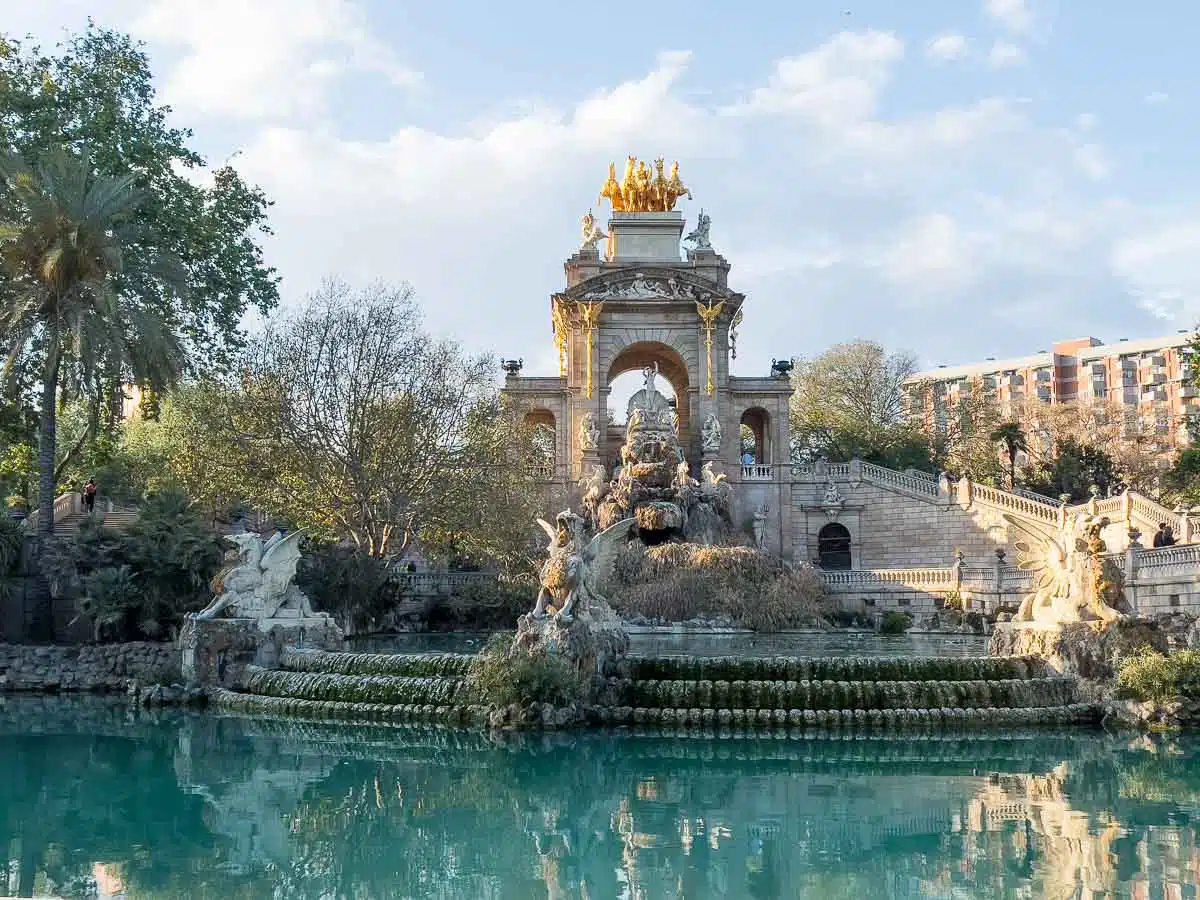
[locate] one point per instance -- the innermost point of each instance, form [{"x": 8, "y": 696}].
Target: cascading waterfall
[{"x": 683, "y": 692}]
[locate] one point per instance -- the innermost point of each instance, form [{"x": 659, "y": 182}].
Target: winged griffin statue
[
  {"x": 571, "y": 577},
  {"x": 259, "y": 584},
  {"x": 1072, "y": 579}
]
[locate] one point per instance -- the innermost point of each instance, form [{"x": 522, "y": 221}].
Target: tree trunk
[{"x": 42, "y": 624}]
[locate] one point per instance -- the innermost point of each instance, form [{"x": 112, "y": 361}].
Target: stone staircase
[
  {"x": 679, "y": 692},
  {"x": 69, "y": 514}
]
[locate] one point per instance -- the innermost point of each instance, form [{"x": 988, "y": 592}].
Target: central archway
[{"x": 671, "y": 367}]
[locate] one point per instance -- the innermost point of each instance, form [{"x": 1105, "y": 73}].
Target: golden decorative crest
[
  {"x": 708, "y": 315},
  {"x": 643, "y": 190}
]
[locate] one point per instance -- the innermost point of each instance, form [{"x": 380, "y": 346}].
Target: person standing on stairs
[{"x": 89, "y": 496}]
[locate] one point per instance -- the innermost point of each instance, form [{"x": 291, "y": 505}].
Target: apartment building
[{"x": 1150, "y": 379}]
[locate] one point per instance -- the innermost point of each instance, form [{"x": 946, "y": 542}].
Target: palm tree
[
  {"x": 1013, "y": 438},
  {"x": 69, "y": 243}
]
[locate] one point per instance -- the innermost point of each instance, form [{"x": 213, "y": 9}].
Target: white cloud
[
  {"x": 1093, "y": 161},
  {"x": 835, "y": 200},
  {"x": 1005, "y": 54},
  {"x": 267, "y": 59},
  {"x": 835, "y": 84},
  {"x": 1013, "y": 15},
  {"x": 1086, "y": 121},
  {"x": 1155, "y": 98},
  {"x": 1159, "y": 263},
  {"x": 946, "y": 47}
]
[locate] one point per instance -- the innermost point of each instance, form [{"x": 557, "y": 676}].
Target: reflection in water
[
  {"x": 96, "y": 803},
  {"x": 700, "y": 643}
]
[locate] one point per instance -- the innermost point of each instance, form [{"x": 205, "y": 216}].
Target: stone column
[
  {"x": 1132, "y": 552},
  {"x": 1185, "y": 524}
]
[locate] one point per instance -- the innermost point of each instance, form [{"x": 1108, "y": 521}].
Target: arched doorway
[
  {"x": 671, "y": 368},
  {"x": 833, "y": 547},
  {"x": 544, "y": 439},
  {"x": 755, "y": 432}
]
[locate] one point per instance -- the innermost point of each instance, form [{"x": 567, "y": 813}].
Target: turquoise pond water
[
  {"x": 96, "y": 801},
  {"x": 829, "y": 643}
]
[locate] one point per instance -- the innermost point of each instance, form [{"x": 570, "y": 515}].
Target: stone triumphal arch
[{"x": 632, "y": 301}]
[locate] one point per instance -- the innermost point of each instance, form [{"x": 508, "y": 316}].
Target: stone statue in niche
[
  {"x": 760, "y": 525},
  {"x": 589, "y": 434},
  {"x": 710, "y": 434}
]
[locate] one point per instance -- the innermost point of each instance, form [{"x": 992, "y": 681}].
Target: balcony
[
  {"x": 540, "y": 471},
  {"x": 1188, "y": 391},
  {"x": 757, "y": 472},
  {"x": 1154, "y": 394},
  {"x": 1153, "y": 377}
]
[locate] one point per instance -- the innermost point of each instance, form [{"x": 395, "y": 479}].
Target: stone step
[
  {"x": 380, "y": 689},
  {"x": 797, "y": 719},
  {"x": 402, "y": 664},
  {"x": 791, "y": 668},
  {"x": 1001, "y": 693}
]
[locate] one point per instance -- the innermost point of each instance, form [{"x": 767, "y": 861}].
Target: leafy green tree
[
  {"x": 95, "y": 91},
  {"x": 849, "y": 402},
  {"x": 61, "y": 252},
  {"x": 1073, "y": 470},
  {"x": 1182, "y": 480},
  {"x": 1012, "y": 438}
]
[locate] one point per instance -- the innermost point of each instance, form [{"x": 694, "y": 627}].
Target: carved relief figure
[
  {"x": 710, "y": 434},
  {"x": 589, "y": 434}
]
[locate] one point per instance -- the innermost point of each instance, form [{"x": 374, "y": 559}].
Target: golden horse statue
[
  {"x": 629, "y": 186},
  {"x": 659, "y": 187},
  {"x": 612, "y": 189},
  {"x": 675, "y": 188}
]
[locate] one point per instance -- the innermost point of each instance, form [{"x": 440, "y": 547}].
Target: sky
[{"x": 955, "y": 178}]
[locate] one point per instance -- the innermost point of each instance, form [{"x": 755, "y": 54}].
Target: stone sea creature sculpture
[
  {"x": 570, "y": 578},
  {"x": 1073, "y": 582},
  {"x": 260, "y": 583}
]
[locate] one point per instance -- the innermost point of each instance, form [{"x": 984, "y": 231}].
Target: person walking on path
[{"x": 89, "y": 496}]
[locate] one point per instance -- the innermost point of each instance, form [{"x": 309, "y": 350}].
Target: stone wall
[
  {"x": 891, "y": 528},
  {"x": 91, "y": 667}
]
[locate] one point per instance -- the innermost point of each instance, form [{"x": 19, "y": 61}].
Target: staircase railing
[{"x": 68, "y": 504}]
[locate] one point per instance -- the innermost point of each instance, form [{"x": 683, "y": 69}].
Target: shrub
[
  {"x": 353, "y": 587},
  {"x": 677, "y": 582},
  {"x": 895, "y": 622},
  {"x": 1148, "y": 675},
  {"x": 500, "y": 677},
  {"x": 484, "y": 604},
  {"x": 168, "y": 557}
]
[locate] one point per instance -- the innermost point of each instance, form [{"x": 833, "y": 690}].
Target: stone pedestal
[
  {"x": 591, "y": 641},
  {"x": 645, "y": 236},
  {"x": 215, "y": 652},
  {"x": 1090, "y": 650}
]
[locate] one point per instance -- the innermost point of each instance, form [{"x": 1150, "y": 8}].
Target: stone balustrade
[
  {"x": 437, "y": 584},
  {"x": 758, "y": 472}
]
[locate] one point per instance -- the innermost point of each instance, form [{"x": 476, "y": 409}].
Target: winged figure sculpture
[
  {"x": 1072, "y": 580},
  {"x": 260, "y": 583},
  {"x": 571, "y": 577}
]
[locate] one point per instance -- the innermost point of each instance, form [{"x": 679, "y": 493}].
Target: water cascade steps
[{"x": 680, "y": 692}]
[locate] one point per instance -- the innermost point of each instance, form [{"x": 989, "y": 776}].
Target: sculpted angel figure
[
  {"x": 1073, "y": 581},
  {"x": 591, "y": 231},
  {"x": 699, "y": 235},
  {"x": 571, "y": 577},
  {"x": 710, "y": 434}
]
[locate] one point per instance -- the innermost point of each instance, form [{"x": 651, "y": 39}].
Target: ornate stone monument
[
  {"x": 640, "y": 297},
  {"x": 257, "y": 610}
]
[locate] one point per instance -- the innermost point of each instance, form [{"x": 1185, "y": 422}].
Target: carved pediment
[{"x": 647, "y": 284}]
